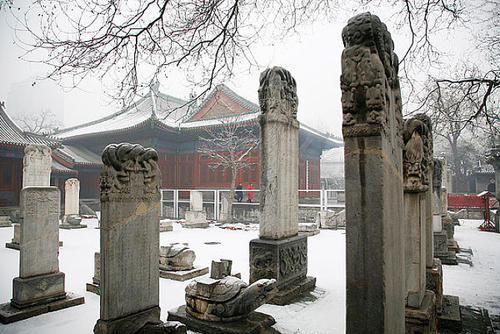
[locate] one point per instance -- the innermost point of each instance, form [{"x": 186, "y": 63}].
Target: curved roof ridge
[{"x": 105, "y": 118}]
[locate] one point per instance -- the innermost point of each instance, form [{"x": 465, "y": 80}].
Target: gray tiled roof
[{"x": 11, "y": 134}]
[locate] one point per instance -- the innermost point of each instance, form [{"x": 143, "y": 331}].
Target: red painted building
[
  {"x": 12, "y": 144},
  {"x": 173, "y": 128}
]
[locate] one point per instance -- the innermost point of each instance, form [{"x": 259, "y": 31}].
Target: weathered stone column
[
  {"x": 40, "y": 285},
  {"x": 279, "y": 252},
  {"x": 417, "y": 167},
  {"x": 37, "y": 164},
  {"x": 372, "y": 125},
  {"x": 130, "y": 209},
  {"x": 494, "y": 160},
  {"x": 72, "y": 217},
  {"x": 417, "y": 164}
]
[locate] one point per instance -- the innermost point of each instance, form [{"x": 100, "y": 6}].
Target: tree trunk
[{"x": 229, "y": 217}]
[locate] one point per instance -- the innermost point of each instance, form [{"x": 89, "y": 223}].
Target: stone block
[
  {"x": 37, "y": 290},
  {"x": 221, "y": 269},
  {"x": 9, "y": 313},
  {"x": 437, "y": 225},
  {"x": 169, "y": 327},
  {"x": 422, "y": 320},
  {"x": 255, "y": 323},
  {"x": 450, "y": 317},
  {"x": 183, "y": 275},
  {"x": 196, "y": 219},
  {"x": 308, "y": 229},
  {"x": 284, "y": 260}
]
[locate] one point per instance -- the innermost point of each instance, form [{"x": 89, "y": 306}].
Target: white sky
[{"x": 313, "y": 58}]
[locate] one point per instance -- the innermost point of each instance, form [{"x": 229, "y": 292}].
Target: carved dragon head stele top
[
  {"x": 417, "y": 153},
  {"x": 129, "y": 168},
  {"x": 369, "y": 80},
  {"x": 278, "y": 92}
]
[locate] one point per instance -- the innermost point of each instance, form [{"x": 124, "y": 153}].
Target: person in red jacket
[{"x": 250, "y": 193}]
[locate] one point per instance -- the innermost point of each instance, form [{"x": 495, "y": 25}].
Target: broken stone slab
[
  {"x": 9, "y": 313},
  {"x": 5, "y": 221},
  {"x": 423, "y": 319},
  {"x": 254, "y": 323},
  {"x": 96, "y": 279},
  {"x": 183, "y": 275},
  {"x": 308, "y": 229}
]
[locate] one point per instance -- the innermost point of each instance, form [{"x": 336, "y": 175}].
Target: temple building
[{"x": 173, "y": 127}]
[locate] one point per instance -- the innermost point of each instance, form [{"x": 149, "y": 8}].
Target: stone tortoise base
[
  {"x": 255, "y": 323},
  {"x": 9, "y": 313}
]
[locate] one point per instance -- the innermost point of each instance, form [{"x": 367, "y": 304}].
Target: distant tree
[
  {"x": 452, "y": 113},
  {"x": 45, "y": 122},
  {"x": 229, "y": 144}
]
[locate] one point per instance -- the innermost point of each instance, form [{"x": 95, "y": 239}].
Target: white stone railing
[{"x": 174, "y": 202}]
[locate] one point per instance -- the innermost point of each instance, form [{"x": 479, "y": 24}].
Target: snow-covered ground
[{"x": 478, "y": 285}]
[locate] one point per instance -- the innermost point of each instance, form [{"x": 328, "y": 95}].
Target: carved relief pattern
[
  {"x": 263, "y": 263},
  {"x": 129, "y": 169},
  {"x": 293, "y": 260},
  {"x": 417, "y": 153},
  {"x": 278, "y": 92},
  {"x": 369, "y": 81}
]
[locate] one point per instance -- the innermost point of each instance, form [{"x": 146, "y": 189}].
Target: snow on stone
[{"x": 477, "y": 285}]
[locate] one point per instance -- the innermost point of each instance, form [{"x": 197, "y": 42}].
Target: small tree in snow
[{"x": 229, "y": 145}]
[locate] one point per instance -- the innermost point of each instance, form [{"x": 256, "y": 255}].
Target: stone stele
[
  {"x": 279, "y": 253},
  {"x": 72, "y": 217},
  {"x": 372, "y": 130},
  {"x": 37, "y": 163},
  {"x": 40, "y": 285},
  {"x": 130, "y": 208}
]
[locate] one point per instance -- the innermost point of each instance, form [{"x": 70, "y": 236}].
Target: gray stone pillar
[
  {"x": 40, "y": 285},
  {"x": 417, "y": 167},
  {"x": 279, "y": 252},
  {"x": 72, "y": 217},
  {"x": 37, "y": 164},
  {"x": 372, "y": 124},
  {"x": 494, "y": 160},
  {"x": 130, "y": 210}
]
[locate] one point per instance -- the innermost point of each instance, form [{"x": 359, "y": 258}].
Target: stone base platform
[
  {"x": 422, "y": 320},
  {"x": 71, "y": 226},
  {"x": 195, "y": 225},
  {"x": 14, "y": 245},
  {"x": 166, "y": 228},
  {"x": 294, "y": 291},
  {"x": 309, "y": 233},
  {"x": 450, "y": 317},
  {"x": 9, "y": 313},
  {"x": 183, "y": 275},
  {"x": 94, "y": 288},
  {"x": 255, "y": 323},
  {"x": 450, "y": 259}
]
